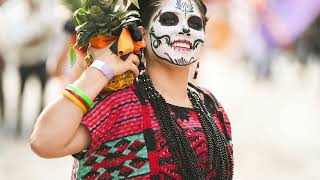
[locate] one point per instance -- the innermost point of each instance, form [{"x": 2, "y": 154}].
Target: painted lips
[{"x": 183, "y": 45}]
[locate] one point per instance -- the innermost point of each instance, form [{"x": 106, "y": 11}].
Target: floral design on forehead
[
  {"x": 176, "y": 33},
  {"x": 185, "y": 6}
]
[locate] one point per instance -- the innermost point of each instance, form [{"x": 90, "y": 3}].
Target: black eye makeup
[
  {"x": 169, "y": 19},
  {"x": 195, "y": 22}
]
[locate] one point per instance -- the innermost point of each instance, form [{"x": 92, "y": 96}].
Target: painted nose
[{"x": 186, "y": 30}]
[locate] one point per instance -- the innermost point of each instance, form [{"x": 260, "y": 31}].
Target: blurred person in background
[
  {"x": 2, "y": 65},
  {"x": 161, "y": 127},
  {"x": 261, "y": 35},
  {"x": 2, "y": 103},
  {"x": 279, "y": 25},
  {"x": 59, "y": 63},
  {"x": 263, "y": 43},
  {"x": 34, "y": 49},
  {"x": 308, "y": 44},
  {"x": 2, "y": 1},
  {"x": 218, "y": 28},
  {"x": 28, "y": 29}
]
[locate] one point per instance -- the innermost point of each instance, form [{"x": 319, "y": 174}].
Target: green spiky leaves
[
  {"x": 129, "y": 2},
  {"x": 73, "y": 55},
  {"x": 103, "y": 17}
]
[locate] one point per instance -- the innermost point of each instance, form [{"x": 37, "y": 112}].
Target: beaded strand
[
  {"x": 221, "y": 155},
  {"x": 218, "y": 155}
]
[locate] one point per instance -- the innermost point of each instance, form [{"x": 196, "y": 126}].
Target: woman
[{"x": 162, "y": 127}]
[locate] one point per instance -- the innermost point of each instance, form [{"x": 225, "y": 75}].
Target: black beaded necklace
[{"x": 218, "y": 154}]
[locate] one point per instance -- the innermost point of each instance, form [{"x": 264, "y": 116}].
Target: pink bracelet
[{"x": 103, "y": 67}]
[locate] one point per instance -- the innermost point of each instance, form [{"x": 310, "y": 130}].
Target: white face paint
[{"x": 177, "y": 33}]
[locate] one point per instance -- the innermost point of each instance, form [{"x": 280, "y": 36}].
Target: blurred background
[{"x": 262, "y": 61}]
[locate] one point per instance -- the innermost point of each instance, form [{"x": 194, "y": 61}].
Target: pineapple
[{"x": 101, "y": 21}]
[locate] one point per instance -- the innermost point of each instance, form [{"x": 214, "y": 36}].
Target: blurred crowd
[
  {"x": 257, "y": 30},
  {"x": 36, "y": 35}
]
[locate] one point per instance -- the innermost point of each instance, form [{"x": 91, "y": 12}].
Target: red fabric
[{"x": 122, "y": 114}]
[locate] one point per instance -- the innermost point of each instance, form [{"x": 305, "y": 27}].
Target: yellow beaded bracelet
[{"x": 74, "y": 100}]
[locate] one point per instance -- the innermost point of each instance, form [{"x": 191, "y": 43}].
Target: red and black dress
[{"x": 127, "y": 142}]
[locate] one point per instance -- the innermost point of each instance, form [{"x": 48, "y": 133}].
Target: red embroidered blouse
[{"x": 127, "y": 141}]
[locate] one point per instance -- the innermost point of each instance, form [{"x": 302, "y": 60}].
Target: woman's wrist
[
  {"x": 104, "y": 68},
  {"x": 92, "y": 81}
]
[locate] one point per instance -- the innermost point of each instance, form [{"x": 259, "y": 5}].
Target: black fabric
[{"x": 181, "y": 113}]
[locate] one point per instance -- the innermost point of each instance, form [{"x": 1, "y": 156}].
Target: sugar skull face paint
[{"x": 177, "y": 32}]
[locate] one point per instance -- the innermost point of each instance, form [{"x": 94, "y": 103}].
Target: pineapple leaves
[
  {"x": 103, "y": 17},
  {"x": 127, "y": 3},
  {"x": 135, "y": 2},
  {"x": 80, "y": 16},
  {"x": 85, "y": 3},
  {"x": 73, "y": 55}
]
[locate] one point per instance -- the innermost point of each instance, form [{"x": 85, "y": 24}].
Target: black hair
[
  {"x": 149, "y": 7},
  {"x": 69, "y": 26}
]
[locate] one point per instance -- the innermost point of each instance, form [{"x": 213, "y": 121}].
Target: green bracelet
[{"x": 81, "y": 94}]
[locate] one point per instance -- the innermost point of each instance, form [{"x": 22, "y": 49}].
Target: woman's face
[{"x": 176, "y": 32}]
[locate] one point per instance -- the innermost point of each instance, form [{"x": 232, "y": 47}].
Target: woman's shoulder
[
  {"x": 213, "y": 99},
  {"x": 205, "y": 94},
  {"x": 225, "y": 118},
  {"x": 207, "y": 91}
]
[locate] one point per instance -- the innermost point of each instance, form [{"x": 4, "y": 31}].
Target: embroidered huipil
[{"x": 127, "y": 141}]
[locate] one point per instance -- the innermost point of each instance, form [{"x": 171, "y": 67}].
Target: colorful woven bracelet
[
  {"x": 74, "y": 100},
  {"x": 78, "y": 97},
  {"x": 81, "y": 94},
  {"x": 103, "y": 67}
]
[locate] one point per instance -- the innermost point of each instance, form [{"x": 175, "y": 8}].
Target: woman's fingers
[
  {"x": 134, "y": 59},
  {"x": 133, "y": 62},
  {"x": 134, "y": 69}
]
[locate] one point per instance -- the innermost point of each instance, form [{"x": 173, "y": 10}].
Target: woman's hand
[{"x": 117, "y": 64}]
